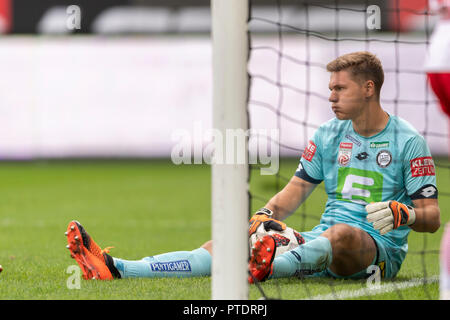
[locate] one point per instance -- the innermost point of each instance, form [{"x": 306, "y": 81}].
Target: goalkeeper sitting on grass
[{"x": 379, "y": 177}]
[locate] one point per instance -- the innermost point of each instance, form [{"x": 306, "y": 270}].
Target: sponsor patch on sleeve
[
  {"x": 423, "y": 166},
  {"x": 309, "y": 151}
]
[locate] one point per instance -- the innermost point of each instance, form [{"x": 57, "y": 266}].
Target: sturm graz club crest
[{"x": 384, "y": 158}]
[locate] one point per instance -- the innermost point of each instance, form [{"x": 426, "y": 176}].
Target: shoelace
[{"x": 106, "y": 250}]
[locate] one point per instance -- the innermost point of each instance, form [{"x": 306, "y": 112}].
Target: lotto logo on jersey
[
  {"x": 309, "y": 152},
  {"x": 423, "y": 166}
]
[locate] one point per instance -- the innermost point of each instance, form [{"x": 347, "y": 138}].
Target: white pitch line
[{"x": 375, "y": 289}]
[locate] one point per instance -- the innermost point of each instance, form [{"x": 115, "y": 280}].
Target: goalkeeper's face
[{"x": 348, "y": 97}]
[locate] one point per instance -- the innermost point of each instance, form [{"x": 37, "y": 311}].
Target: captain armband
[
  {"x": 428, "y": 191},
  {"x": 301, "y": 173}
]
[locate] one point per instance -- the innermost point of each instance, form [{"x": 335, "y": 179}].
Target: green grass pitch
[{"x": 146, "y": 207}]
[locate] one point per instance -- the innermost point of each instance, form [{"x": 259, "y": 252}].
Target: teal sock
[
  {"x": 180, "y": 264},
  {"x": 313, "y": 256}
]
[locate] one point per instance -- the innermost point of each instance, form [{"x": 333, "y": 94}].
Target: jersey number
[{"x": 359, "y": 186}]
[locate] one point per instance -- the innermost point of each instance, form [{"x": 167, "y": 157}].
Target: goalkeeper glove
[
  {"x": 264, "y": 216},
  {"x": 390, "y": 215}
]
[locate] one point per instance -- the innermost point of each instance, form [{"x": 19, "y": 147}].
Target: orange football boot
[
  {"x": 260, "y": 265},
  {"x": 89, "y": 256}
]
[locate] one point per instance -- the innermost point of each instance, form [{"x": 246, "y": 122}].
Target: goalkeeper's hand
[
  {"x": 264, "y": 216},
  {"x": 389, "y": 215}
]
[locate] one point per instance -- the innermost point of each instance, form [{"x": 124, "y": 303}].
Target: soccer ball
[{"x": 285, "y": 240}]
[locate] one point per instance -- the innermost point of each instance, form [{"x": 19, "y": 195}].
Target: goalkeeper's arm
[
  {"x": 428, "y": 215},
  {"x": 285, "y": 202}
]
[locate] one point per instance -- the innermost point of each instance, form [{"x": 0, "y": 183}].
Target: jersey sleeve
[
  {"x": 310, "y": 166},
  {"x": 419, "y": 170}
]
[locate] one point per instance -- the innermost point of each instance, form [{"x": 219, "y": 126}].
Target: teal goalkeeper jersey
[{"x": 394, "y": 164}]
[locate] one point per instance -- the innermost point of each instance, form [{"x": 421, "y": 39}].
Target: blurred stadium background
[{"x": 138, "y": 70}]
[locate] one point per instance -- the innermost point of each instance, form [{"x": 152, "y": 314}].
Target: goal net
[{"x": 290, "y": 44}]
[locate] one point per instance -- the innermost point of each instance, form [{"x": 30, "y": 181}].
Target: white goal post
[{"x": 230, "y": 200}]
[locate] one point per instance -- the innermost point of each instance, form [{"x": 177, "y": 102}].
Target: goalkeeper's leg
[
  {"x": 193, "y": 263},
  {"x": 342, "y": 249},
  {"x": 98, "y": 264}
]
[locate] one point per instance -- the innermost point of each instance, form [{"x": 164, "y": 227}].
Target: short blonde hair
[{"x": 362, "y": 65}]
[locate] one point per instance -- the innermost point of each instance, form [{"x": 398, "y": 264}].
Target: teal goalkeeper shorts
[{"x": 388, "y": 259}]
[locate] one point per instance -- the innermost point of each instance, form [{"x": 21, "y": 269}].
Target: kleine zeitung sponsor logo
[{"x": 423, "y": 166}]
